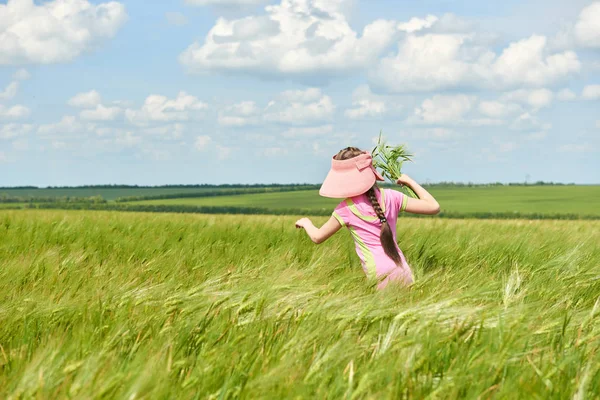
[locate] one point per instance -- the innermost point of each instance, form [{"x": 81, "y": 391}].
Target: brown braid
[{"x": 386, "y": 236}]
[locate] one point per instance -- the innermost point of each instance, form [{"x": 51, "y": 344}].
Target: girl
[{"x": 370, "y": 214}]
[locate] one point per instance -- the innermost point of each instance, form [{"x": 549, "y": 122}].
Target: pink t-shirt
[{"x": 357, "y": 214}]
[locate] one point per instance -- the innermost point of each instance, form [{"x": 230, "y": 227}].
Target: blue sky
[{"x": 258, "y": 91}]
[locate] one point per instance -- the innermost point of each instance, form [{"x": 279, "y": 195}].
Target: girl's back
[{"x": 357, "y": 214}]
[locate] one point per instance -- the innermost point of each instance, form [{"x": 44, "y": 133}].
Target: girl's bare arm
[
  {"x": 425, "y": 204},
  {"x": 319, "y": 235}
]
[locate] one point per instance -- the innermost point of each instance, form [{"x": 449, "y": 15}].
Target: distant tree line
[
  {"x": 274, "y": 185},
  {"x": 177, "y": 208},
  {"x": 192, "y": 186}
]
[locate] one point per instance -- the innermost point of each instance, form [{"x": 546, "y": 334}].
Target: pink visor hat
[{"x": 349, "y": 178}]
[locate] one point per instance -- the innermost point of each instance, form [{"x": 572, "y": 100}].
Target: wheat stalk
[{"x": 389, "y": 159}]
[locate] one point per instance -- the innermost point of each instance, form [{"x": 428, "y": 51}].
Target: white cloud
[
  {"x": 442, "y": 61},
  {"x": 423, "y": 63},
  {"x": 527, "y": 62},
  {"x": 442, "y": 109},
  {"x": 535, "y": 98},
  {"x": 566, "y": 95},
  {"x": 101, "y": 113},
  {"x": 292, "y": 107},
  {"x": 241, "y": 114},
  {"x": 225, "y": 2},
  {"x": 529, "y": 122},
  {"x": 300, "y": 107},
  {"x": 14, "y": 112},
  {"x": 176, "y": 18},
  {"x": 172, "y": 131},
  {"x": 591, "y": 92},
  {"x": 55, "y": 31},
  {"x": 68, "y": 124},
  {"x": 3, "y": 157},
  {"x": 308, "y": 131},
  {"x": 89, "y": 99},
  {"x": 202, "y": 142},
  {"x": 10, "y": 91},
  {"x": 587, "y": 28},
  {"x": 598, "y": 124},
  {"x": 10, "y": 131},
  {"x": 295, "y": 38},
  {"x": 366, "y": 104},
  {"x": 416, "y": 24},
  {"x": 498, "y": 109},
  {"x": 127, "y": 139},
  {"x": 21, "y": 75},
  {"x": 158, "y": 108}
]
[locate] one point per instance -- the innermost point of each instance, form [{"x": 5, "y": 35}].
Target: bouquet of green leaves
[{"x": 389, "y": 159}]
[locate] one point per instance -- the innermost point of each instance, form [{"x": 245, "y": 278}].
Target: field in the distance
[
  {"x": 124, "y": 305},
  {"x": 107, "y": 193},
  {"x": 581, "y": 200}
]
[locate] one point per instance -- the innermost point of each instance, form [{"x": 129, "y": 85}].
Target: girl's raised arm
[
  {"x": 319, "y": 235},
  {"x": 425, "y": 204}
]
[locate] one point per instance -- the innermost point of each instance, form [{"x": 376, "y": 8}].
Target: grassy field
[
  {"x": 124, "y": 305},
  {"x": 11, "y": 205},
  {"x": 581, "y": 200}
]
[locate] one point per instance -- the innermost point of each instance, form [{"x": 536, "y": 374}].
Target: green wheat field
[
  {"x": 97, "y": 304},
  {"x": 582, "y": 200}
]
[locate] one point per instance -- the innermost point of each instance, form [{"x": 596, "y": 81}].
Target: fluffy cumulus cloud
[
  {"x": 305, "y": 39},
  {"x": 566, "y": 95},
  {"x": 101, "y": 113},
  {"x": 89, "y": 99},
  {"x": 591, "y": 92},
  {"x": 12, "y": 131},
  {"x": 21, "y": 75},
  {"x": 300, "y": 107},
  {"x": 292, "y": 107},
  {"x": 55, "y": 31},
  {"x": 159, "y": 108},
  {"x": 294, "y": 38},
  {"x": 241, "y": 114},
  {"x": 13, "y": 112},
  {"x": 432, "y": 61},
  {"x": 498, "y": 109},
  {"x": 10, "y": 91},
  {"x": 127, "y": 139},
  {"x": 536, "y": 98},
  {"x": 587, "y": 28},
  {"x": 442, "y": 109},
  {"x": 67, "y": 125},
  {"x": 366, "y": 104},
  {"x": 529, "y": 122}
]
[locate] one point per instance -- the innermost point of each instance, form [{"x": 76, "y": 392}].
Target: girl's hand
[
  {"x": 404, "y": 180},
  {"x": 303, "y": 223}
]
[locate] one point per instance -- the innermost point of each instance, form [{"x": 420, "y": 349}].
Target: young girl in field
[{"x": 370, "y": 214}]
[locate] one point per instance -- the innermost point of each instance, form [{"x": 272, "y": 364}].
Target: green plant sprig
[{"x": 389, "y": 159}]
